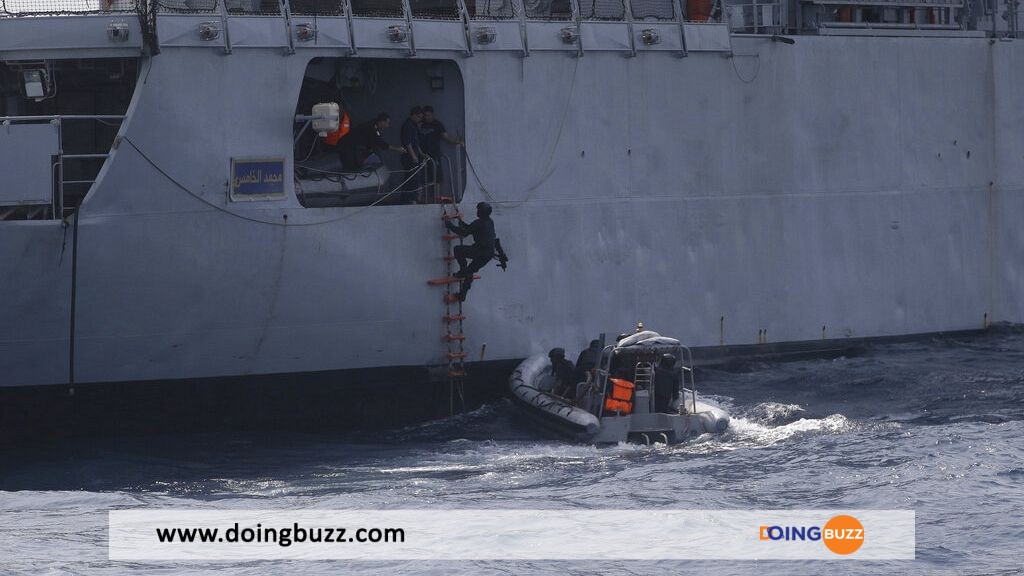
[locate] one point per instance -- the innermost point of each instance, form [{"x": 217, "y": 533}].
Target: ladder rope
[{"x": 453, "y": 315}]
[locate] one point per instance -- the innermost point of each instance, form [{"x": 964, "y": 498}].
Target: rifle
[{"x": 500, "y": 253}]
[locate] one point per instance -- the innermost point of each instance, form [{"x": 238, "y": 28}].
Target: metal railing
[
  {"x": 687, "y": 383},
  {"x": 493, "y": 9},
  {"x": 746, "y": 16},
  {"x": 754, "y": 17},
  {"x": 62, "y": 7},
  {"x": 466, "y": 10},
  {"x": 455, "y": 177},
  {"x": 654, "y": 9},
  {"x": 58, "y": 205},
  {"x": 602, "y": 9},
  {"x": 951, "y": 15},
  {"x": 251, "y": 7}
]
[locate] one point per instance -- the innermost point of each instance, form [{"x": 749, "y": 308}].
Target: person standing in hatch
[
  {"x": 432, "y": 131},
  {"x": 413, "y": 151},
  {"x": 360, "y": 148},
  {"x": 482, "y": 250}
]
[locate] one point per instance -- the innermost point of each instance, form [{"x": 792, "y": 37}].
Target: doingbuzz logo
[{"x": 842, "y": 534}]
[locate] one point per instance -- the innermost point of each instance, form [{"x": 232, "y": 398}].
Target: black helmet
[
  {"x": 483, "y": 209},
  {"x": 668, "y": 359},
  {"x": 557, "y": 353}
]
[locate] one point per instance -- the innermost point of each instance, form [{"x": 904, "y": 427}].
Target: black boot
[{"x": 463, "y": 290}]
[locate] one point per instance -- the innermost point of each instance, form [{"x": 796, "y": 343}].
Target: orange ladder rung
[
  {"x": 445, "y": 198},
  {"x": 454, "y": 318},
  {"x": 452, "y": 216},
  {"x": 450, "y": 237},
  {"x": 456, "y": 374},
  {"x": 452, "y": 337},
  {"x": 457, "y": 355},
  {"x": 448, "y": 280},
  {"x": 449, "y": 258}
]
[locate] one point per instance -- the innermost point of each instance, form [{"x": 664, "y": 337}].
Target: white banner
[{"x": 174, "y": 534}]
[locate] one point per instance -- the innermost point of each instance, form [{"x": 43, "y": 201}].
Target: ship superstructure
[{"x": 740, "y": 172}]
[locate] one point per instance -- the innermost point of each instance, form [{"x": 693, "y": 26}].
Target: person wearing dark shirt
[
  {"x": 413, "y": 152},
  {"x": 666, "y": 383},
  {"x": 360, "y": 148},
  {"x": 482, "y": 250},
  {"x": 432, "y": 132},
  {"x": 587, "y": 360},
  {"x": 562, "y": 370}
]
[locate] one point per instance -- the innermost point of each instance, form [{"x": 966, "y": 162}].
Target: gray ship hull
[{"x": 837, "y": 187}]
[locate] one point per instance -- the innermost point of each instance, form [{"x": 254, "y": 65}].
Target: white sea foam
[
  {"x": 746, "y": 432},
  {"x": 772, "y": 412}
]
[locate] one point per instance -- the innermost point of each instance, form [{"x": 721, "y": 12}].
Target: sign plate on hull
[{"x": 257, "y": 178}]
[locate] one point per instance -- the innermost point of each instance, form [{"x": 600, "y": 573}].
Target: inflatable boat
[
  {"x": 620, "y": 400},
  {"x": 322, "y": 182}
]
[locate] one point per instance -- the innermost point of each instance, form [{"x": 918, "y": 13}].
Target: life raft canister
[
  {"x": 343, "y": 128},
  {"x": 620, "y": 397}
]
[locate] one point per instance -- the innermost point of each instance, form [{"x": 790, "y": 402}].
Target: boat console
[{"x": 619, "y": 402}]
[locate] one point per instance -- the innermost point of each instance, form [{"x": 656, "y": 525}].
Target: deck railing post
[
  {"x": 286, "y": 10},
  {"x": 224, "y": 25},
  {"x": 464, "y": 15},
  {"x": 627, "y": 6},
  {"x": 677, "y": 5},
  {"x": 347, "y": 7},
  {"x": 60, "y": 168},
  {"x": 520, "y": 7},
  {"x": 407, "y": 10},
  {"x": 577, "y": 19}
]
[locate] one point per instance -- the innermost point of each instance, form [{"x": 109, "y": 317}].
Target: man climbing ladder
[{"x": 472, "y": 258}]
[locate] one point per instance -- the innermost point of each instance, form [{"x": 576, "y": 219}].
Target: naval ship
[{"x": 179, "y": 246}]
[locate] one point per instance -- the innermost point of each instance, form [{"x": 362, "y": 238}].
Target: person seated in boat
[
  {"x": 482, "y": 250},
  {"x": 361, "y": 147},
  {"x": 563, "y": 371},
  {"x": 587, "y": 361},
  {"x": 666, "y": 383}
]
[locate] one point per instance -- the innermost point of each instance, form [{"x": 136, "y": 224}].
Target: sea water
[{"x": 935, "y": 425}]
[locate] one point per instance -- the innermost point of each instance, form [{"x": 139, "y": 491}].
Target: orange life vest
[
  {"x": 343, "y": 128},
  {"x": 620, "y": 396}
]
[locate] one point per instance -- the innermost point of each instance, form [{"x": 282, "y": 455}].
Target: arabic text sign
[{"x": 257, "y": 178}]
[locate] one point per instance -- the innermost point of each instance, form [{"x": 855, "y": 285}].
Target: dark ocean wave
[{"x": 935, "y": 426}]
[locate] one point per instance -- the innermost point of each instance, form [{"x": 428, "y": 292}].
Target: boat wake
[{"x": 497, "y": 434}]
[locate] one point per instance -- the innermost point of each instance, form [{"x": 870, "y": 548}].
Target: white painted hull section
[{"x": 823, "y": 186}]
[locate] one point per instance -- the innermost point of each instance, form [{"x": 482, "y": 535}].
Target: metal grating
[
  {"x": 56, "y": 7},
  {"x": 492, "y": 9},
  {"x": 435, "y": 9},
  {"x": 378, "y": 8},
  {"x": 254, "y": 7},
  {"x": 187, "y": 6},
  {"x": 654, "y": 9},
  {"x": 548, "y": 9},
  {"x": 317, "y": 7},
  {"x": 251, "y": 7},
  {"x": 602, "y": 10}
]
